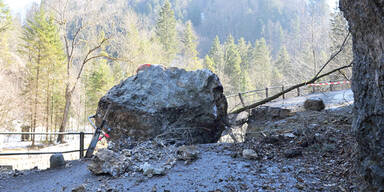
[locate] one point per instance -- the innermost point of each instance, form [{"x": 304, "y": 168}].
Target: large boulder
[
  {"x": 366, "y": 24},
  {"x": 181, "y": 106},
  {"x": 56, "y": 161},
  {"x": 314, "y": 104}
]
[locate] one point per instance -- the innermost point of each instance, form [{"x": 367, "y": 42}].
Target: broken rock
[
  {"x": 250, "y": 154},
  {"x": 269, "y": 113},
  {"x": 234, "y": 134},
  {"x": 149, "y": 170},
  {"x": 182, "y": 106},
  {"x": 315, "y": 104},
  {"x": 291, "y": 153},
  {"x": 108, "y": 162},
  {"x": 80, "y": 188},
  {"x": 187, "y": 153}
]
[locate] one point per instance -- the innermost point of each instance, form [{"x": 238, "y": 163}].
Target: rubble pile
[
  {"x": 322, "y": 135},
  {"x": 152, "y": 158},
  {"x": 249, "y": 121}
]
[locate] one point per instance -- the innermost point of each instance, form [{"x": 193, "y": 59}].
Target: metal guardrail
[{"x": 81, "y": 149}]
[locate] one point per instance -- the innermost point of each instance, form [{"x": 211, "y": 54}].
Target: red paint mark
[{"x": 142, "y": 67}]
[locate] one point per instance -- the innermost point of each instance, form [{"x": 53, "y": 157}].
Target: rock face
[
  {"x": 314, "y": 105},
  {"x": 56, "y": 161},
  {"x": 366, "y": 22},
  {"x": 185, "y": 107}
]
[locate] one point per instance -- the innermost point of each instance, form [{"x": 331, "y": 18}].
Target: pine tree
[
  {"x": 166, "y": 30},
  {"x": 244, "y": 51},
  {"x": 189, "y": 48},
  {"x": 261, "y": 66},
  {"x": 284, "y": 66},
  {"x": 232, "y": 61},
  {"x": 5, "y": 17},
  {"x": 217, "y": 55},
  {"x": 42, "y": 46},
  {"x": 209, "y": 63},
  {"x": 99, "y": 81},
  {"x": 5, "y": 23},
  {"x": 244, "y": 48}
]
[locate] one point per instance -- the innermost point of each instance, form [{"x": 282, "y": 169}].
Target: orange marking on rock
[{"x": 142, "y": 67}]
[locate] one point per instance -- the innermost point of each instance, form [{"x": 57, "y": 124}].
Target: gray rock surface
[
  {"x": 366, "y": 24},
  {"x": 268, "y": 113},
  {"x": 183, "y": 106},
  {"x": 108, "y": 162},
  {"x": 234, "y": 134},
  {"x": 314, "y": 104},
  {"x": 187, "y": 153},
  {"x": 80, "y": 188},
  {"x": 250, "y": 154},
  {"x": 56, "y": 161},
  {"x": 149, "y": 170}
]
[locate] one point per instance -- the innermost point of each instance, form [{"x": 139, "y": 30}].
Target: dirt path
[
  {"x": 49, "y": 180},
  {"x": 215, "y": 170}
]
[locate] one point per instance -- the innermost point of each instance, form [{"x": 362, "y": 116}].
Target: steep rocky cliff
[{"x": 366, "y": 22}]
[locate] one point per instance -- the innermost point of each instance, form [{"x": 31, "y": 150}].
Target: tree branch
[
  {"x": 335, "y": 54},
  {"x": 87, "y": 59}
]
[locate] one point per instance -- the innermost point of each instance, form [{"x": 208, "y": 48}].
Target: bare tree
[{"x": 74, "y": 35}]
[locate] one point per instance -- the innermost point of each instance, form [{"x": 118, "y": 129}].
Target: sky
[{"x": 20, "y": 6}]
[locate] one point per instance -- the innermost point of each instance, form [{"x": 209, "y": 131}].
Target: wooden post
[
  {"x": 331, "y": 87},
  {"x": 241, "y": 99},
  {"x": 282, "y": 90},
  {"x": 81, "y": 145},
  {"x": 298, "y": 91},
  {"x": 313, "y": 89},
  {"x": 266, "y": 92}
]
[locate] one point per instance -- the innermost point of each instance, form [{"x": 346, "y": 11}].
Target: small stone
[
  {"x": 187, "y": 153},
  {"x": 56, "y": 161},
  {"x": 154, "y": 188},
  {"x": 291, "y": 153},
  {"x": 158, "y": 171},
  {"x": 126, "y": 152},
  {"x": 80, "y": 188},
  {"x": 250, "y": 154},
  {"x": 149, "y": 170},
  {"x": 329, "y": 147},
  {"x": 272, "y": 139},
  {"x": 289, "y": 135}
]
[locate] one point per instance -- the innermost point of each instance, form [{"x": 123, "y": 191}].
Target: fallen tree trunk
[{"x": 266, "y": 100}]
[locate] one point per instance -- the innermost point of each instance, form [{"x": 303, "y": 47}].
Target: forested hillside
[{"x": 55, "y": 65}]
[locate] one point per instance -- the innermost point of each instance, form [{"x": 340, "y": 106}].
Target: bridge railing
[
  {"x": 81, "y": 149},
  {"x": 242, "y": 99}
]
